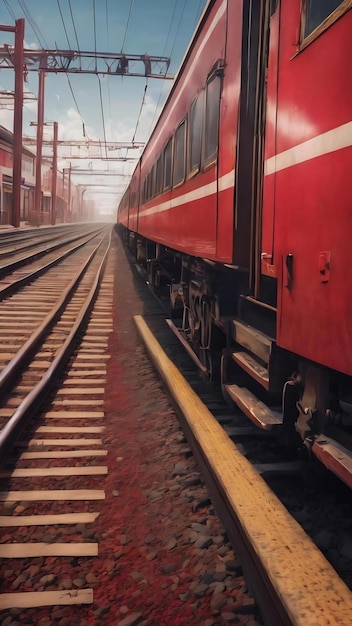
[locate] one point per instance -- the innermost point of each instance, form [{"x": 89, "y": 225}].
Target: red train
[{"x": 241, "y": 206}]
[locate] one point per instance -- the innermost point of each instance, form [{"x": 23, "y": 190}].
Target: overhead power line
[
  {"x": 63, "y": 23},
  {"x": 140, "y": 111},
  {"x": 9, "y": 9},
  {"x": 127, "y": 25},
  {"x": 73, "y": 23},
  {"x": 102, "y": 114}
]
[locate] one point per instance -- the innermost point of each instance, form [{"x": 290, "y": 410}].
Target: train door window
[
  {"x": 159, "y": 175},
  {"x": 152, "y": 181},
  {"x": 167, "y": 165},
  {"x": 212, "y": 113},
  {"x": 195, "y": 134},
  {"x": 149, "y": 186},
  {"x": 180, "y": 154},
  {"x": 317, "y": 15}
]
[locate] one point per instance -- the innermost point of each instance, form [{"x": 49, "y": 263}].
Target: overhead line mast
[{"x": 80, "y": 62}]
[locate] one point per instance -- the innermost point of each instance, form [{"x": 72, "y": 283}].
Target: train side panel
[
  {"x": 196, "y": 216},
  {"x": 228, "y": 135},
  {"x": 134, "y": 200},
  {"x": 308, "y": 167}
]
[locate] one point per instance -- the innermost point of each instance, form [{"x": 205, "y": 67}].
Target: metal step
[
  {"x": 251, "y": 339},
  {"x": 252, "y": 367},
  {"x": 335, "y": 457},
  {"x": 260, "y": 414},
  {"x": 282, "y": 468}
]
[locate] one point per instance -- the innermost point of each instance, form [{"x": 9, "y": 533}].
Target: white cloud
[{"x": 31, "y": 46}]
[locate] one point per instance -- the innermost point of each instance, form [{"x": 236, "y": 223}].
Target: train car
[{"x": 242, "y": 210}]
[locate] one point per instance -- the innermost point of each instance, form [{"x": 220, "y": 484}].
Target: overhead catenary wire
[
  {"x": 63, "y": 23},
  {"x": 84, "y": 132},
  {"x": 127, "y": 25},
  {"x": 163, "y": 54},
  {"x": 107, "y": 39},
  {"x": 36, "y": 30},
  {"x": 9, "y": 10},
  {"x": 140, "y": 110},
  {"x": 102, "y": 114},
  {"x": 74, "y": 25}
]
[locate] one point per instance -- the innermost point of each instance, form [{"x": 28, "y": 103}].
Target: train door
[{"x": 250, "y": 150}]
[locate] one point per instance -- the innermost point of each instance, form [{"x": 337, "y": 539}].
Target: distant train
[{"x": 241, "y": 207}]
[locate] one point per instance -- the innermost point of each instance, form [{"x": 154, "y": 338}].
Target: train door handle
[{"x": 289, "y": 271}]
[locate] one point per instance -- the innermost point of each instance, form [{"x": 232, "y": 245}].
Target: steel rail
[
  {"x": 24, "y": 260},
  {"x": 20, "y": 282},
  {"x": 17, "y": 240},
  {"x": 32, "y": 401},
  {"x": 25, "y": 354}
]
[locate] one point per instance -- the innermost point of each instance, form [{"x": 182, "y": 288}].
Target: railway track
[
  {"x": 51, "y": 449},
  {"x": 284, "y": 567},
  {"x": 51, "y": 485},
  {"x": 23, "y": 247}
]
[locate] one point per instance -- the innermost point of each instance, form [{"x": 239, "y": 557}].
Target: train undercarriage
[{"x": 232, "y": 339}]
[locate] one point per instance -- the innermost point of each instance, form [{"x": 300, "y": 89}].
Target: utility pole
[
  {"x": 69, "y": 194},
  {"x": 66, "y": 217},
  {"x": 54, "y": 176},
  {"x": 18, "y": 65},
  {"x": 38, "y": 160},
  {"x": 17, "y": 124}
]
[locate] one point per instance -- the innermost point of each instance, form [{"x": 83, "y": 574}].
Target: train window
[
  {"x": 321, "y": 13},
  {"x": 159, "y": 175},
  {"x": 212, "y": 112},
  {"x": 149, "y": 185},
  {"x": 180, "y": 154},
  {"x": 167, "y": 165},
  {"x": 152, "y": 182},
  {"x": 195, "y": 133}
]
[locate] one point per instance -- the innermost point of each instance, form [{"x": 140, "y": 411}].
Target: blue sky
[{"x": 156, "y": 27}]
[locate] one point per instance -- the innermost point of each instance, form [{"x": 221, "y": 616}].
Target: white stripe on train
[{"x": 331, "y": 141}]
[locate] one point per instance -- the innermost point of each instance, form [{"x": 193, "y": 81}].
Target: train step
[
  {"x": 335, "y": 457},
  {"x": 260, "y": 414},
  {"x": 251, "y": 339},
  {"x": 251, "y": 366},
  {"x": 284, "y": 468}
]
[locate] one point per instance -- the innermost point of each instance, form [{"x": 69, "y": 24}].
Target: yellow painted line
[{"x": 310, "y": 589}]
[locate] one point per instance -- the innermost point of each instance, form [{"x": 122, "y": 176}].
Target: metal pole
[
  {"x": 17, "y": 123},
  {"x": 38, "y": 162},
  {"x": 54, "y": 176},
  {"x": 69, "y": 195}
]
